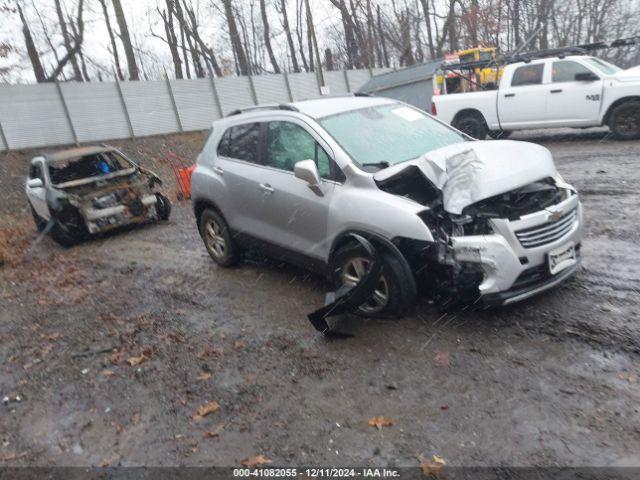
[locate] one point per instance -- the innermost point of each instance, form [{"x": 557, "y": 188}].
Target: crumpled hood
[
  {"x": 629, "y": 75},
  {"x": 468, "y": 172}
]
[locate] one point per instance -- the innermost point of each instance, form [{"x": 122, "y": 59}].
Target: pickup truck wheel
[
  {"x": 473, "y": 125},
  {"x": 217, "y": 239},
  {"x": 624, "y": 121},
  {"x": 499, "y": 134},
  {"x": 391, "y": 297}
]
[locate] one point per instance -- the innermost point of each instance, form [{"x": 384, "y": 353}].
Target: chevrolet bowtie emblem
[{"x": 555, "y": 216}]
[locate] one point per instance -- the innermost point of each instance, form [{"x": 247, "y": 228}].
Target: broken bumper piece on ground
[{"x": 348, "y": 299}]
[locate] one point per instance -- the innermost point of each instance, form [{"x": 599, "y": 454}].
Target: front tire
[
  {"x": 624, "y": 121},
  {"x": 393, "y": 295},
  {"x": 217, "y": 238},
  {"x": 473, "y": 125}
]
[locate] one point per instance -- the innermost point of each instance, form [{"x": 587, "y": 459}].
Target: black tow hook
[{"x": 348, "y": 299}]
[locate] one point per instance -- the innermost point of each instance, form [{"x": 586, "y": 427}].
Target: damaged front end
[{"x": 495, "y": 224}]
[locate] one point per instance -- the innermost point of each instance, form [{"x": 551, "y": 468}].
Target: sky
[{"x": 142, "y": 20}]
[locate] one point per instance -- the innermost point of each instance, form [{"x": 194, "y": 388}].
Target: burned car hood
[{"x": 468, "y": 172}]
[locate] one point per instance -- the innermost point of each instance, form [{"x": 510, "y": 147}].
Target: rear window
[
  {"x": 241, "y": 142},
  {"x": 87, "y": 166},
  {"x": 528, "y": 75}
]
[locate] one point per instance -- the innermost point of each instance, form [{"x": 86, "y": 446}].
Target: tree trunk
[
  {"x": 34, "y": 56},
  {"x": 267, "y": 37},
  {"x": 236, "y": 41},
  {"x": 287, "y": 31},
  {"x": 112, "y": 39},
  {"x": 172, "y": 40},
  {"x": 427, "y": 19},
  {"x": 66, "y": 39},
  {"x": 383, "y": 42},
  {"x": 126, "y": 40}
]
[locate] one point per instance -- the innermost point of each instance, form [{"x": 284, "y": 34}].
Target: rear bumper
[{"x": 103, "y": 219}]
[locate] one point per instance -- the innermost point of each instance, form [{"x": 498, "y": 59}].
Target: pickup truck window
[
  {"x": 604, "y": 67},
  {"x": 528, "y": 75},
  {"x": 388, "y": 134},
  {"x": 565, "y": 71}
]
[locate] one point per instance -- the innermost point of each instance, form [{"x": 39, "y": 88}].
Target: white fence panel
[
  {"x": 196, "y": 104},
  {"x": 358, "y": 78},
  {"x": 381, "y": 70},
  {"x": 96, "y": 111},
  {"x": 234, "y": 92},
  {"x": 304, "y": 86},
  {"x": 3, "y": 146},
  {"x": 150, "y": 107},
  {"x": 271, "y": 89},
  {"x": 336, "y": 82},
  {"x": 33, "y": 116}
]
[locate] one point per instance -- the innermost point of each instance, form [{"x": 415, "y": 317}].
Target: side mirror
[
  {"x": 34, "y": 183},
  {"x": 306, "y": 170},
  {"x": 586, "y": 77}
]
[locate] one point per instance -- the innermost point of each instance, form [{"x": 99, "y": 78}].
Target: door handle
[
  {"x": 507, "y": 95},
  {"x": 218, "y": 170},
  {"x": 267, "y": 188},
  {"x": 559, "y": 90}
]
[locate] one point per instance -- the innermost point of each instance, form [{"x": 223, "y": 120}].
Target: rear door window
[
  {"x": 528, "y": 75},
  {"x": 241, "y": 142}
]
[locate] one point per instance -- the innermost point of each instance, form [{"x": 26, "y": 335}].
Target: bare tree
[
  {"x": 32, "y": 51},
  {"x": 126, "y": 40},
  {"x": 112, "y": 39},
  {"x": 267, "y": 37},
  {"x": 287, "y": 31},
  {"x": 66, "y": 39},
  {"x": 236, "y": 40}
]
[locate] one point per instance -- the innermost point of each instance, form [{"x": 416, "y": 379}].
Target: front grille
[{"x": 547, "y": 232}]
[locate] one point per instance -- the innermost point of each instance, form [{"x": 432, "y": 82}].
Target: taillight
[{"x": 433, "y": 109}]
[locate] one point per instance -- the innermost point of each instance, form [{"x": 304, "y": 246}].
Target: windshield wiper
[{"x": 381, "y": 165}]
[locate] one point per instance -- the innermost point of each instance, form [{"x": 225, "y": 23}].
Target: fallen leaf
[
  {"x": 115, "y": 358},
  {"x": 119, "y": 428},
  {"x": 106, "y": 462},
  {"x": 183, "y": 401},
  {"x": 203, "y": 376},
  {"x": 54, "y": 336},
  {"x": 206, "y": 409},
  {"x": 255, "y": 461},
  {"x": 629, "y": 377},
  {"x": 213, "y": 433},
  {"x": 238, "y": 344},
  {"x": 133, "y": 361},
  {"x": 135, "y": 419},
  {"x": 380, "y": 422},
  {"x": 433, "y": 467},
  {"x": 441, "y": 359},
  {"x": 108, "y": 373}
]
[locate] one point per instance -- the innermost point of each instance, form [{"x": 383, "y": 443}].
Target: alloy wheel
[{"x": 352, "y": 272}]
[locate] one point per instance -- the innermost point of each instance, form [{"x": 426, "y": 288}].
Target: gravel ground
[{"x": 552, "y": 381}]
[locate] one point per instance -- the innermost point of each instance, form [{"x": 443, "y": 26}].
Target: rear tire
[
  {"x": 624, "y": 120},
  {"x": 392, "y": 297},
  {"x": 163, "y": 207},
  {"x": 217, "y": 238},
  {"x": 499, "y": 134},
  {"x": 473, "y": 125}
]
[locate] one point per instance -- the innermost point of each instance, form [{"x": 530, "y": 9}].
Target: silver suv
[{"x": 450, "y": 215}]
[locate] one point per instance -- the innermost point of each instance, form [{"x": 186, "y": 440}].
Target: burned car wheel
[
  {"x": 389, "y": 299},
  {"x": 70, "y": 229},
  {"x": 40, "y": 222},
  {"x": 163, "y": 207},
  {"x": 217, "y": 239},
  {"x": 625, "y": 121}
]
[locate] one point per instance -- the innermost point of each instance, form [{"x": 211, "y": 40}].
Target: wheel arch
[
  {"x": 200, "y": 205},
  {"x": 378, "y": 242},
  {"x": 620, "y": 101},
  {"x": 469, "y": 111}
]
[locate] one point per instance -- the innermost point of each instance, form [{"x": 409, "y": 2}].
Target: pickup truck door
[
  {"x": 571, "y": 102},
  {"x": 522, "y": 97}
]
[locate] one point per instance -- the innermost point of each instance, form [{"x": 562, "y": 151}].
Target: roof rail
[{"x": 262, "y": 107}]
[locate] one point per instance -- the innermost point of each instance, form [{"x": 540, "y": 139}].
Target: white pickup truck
[{"x": 572, "y": 91}]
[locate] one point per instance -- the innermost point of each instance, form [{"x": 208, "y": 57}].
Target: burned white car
[
  {"x": 76, "y": 193},
  {"x": 332, "y": 183}
]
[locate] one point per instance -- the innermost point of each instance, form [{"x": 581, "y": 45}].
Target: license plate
[{"x": 561, "y": 258}]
